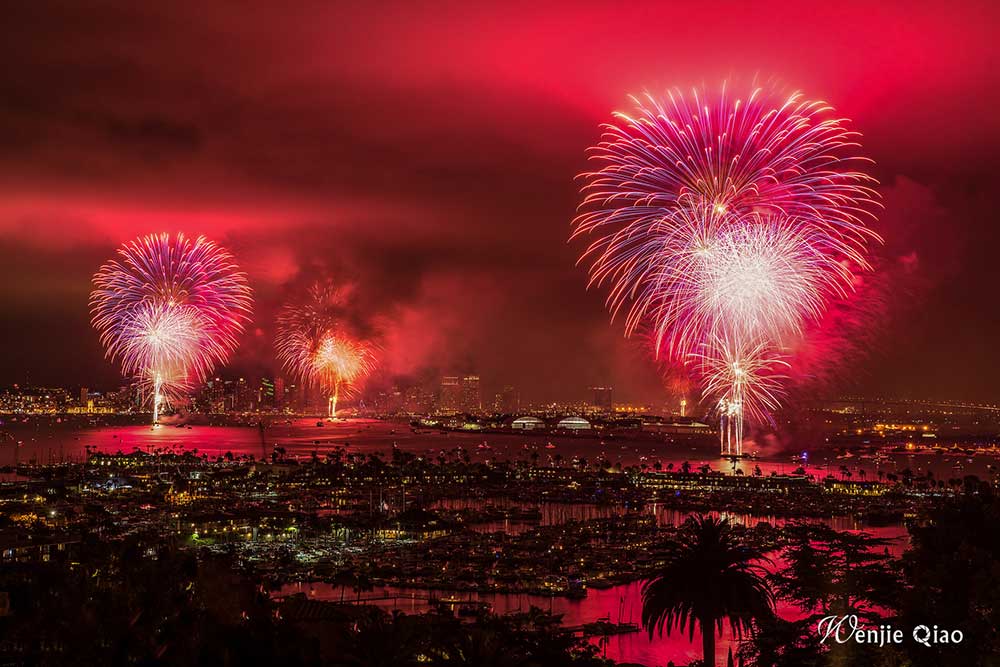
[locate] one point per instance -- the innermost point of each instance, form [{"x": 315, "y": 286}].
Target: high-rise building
[
  {"x": 507, "y": 401},
  {"x": 393, "y": 400},
  {"x": 265, "y": 394},
  {"x": 302, "y": 398},
  {"x": 215, "y": 394},
  {"x": 84, "y": 395},
  {"x": 418, "y": 399},
  {"x": 602, "y": 399},
  {"x": 241, "y": 396},
  {"x": 471, "y": 397},
  {"x": 451, "y": 394},
  {"x": 279, "y": 393}
]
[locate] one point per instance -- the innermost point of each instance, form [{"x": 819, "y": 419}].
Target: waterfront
[
  {"x": 619, "y": 604},
  {"x": 364, "y": 513},
  {"x": 42, "y": 440}
]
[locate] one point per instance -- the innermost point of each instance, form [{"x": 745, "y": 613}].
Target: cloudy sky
[{"x": 427, "y": 153}]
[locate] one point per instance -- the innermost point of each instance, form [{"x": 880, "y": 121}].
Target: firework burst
[
  {"x": 170, "y": 309},
  {"x": 726, "y": 226},
  {"x": 314, "y": 346}
]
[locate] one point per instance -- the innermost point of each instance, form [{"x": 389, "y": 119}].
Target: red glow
[{"x": 430, "y": 149}]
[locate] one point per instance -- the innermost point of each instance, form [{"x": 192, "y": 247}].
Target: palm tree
[{"x": 710, "y": 575}]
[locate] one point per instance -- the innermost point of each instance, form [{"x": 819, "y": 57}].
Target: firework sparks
[
  {"x": 744, "y": 380},
  {"x": 170, "y": 309},
  {"x": 314, "y": 346},
  {"x": 727, "y": 226}
]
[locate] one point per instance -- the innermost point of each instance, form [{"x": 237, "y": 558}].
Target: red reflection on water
[
  {"x": 44, "y": 442},
  {"x": 621, "y": 603}
]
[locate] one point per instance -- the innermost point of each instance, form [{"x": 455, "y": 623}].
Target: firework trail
[
  {"x": 314, "y": 346},
  {"x": 746, "y": 382},
  {"x": 727, "y": 226},
  {"x": 169, "y": 309}
]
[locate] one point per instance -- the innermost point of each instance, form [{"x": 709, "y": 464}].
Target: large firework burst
[
  {"x": 314, "y": 345},
  {"x": 169, "y": 309},
  {"x": 726, "y": 225}
]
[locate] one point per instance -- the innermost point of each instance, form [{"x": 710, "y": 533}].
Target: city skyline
[{"x": 463, "y": 276}]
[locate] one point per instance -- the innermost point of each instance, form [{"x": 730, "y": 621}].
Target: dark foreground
[{"x": 175, "y": 559}]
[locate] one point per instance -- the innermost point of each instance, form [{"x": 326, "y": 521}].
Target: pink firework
[
  {"x": 726, "y": 226},
  {"x": 170, "y": 309}
]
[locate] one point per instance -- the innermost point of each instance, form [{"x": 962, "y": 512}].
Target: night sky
[{"x": 426, "y": 154}]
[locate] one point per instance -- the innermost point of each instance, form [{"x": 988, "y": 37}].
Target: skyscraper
[
  {"x": 508, "y": 401},
  {"x": 471, "y": 397},
  {"x": 451, "y": 394},
  {"x": 266, "y": 394},
  {"x": 279, "y": 393},
  {"x": 602, "y": 399},
  {"x": 419, "y": 399},
  {"x": 241, "y": 396},
  {"x": 215, "y": 395}
]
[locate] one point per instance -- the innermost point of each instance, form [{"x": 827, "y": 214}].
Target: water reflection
[{"x": 44, "y": 441}]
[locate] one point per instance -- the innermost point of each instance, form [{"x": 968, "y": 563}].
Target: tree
[
  {"x": 381, "y": 640},
  {"x": 953, "y": 578},
  {"x": 826, "y": 572},
  {"x": 831, "y": 572},
  {"x": 710, "y": 576},
  {"x": 781, "y": 643}
]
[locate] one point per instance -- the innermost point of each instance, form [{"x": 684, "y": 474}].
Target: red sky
[{"x": 427, "y": 152}]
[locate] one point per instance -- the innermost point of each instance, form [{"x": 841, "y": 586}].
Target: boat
[
  {"x": 604, "y": 626},
  {"x": 464, "y": 607},
  {"x": 473, "y": 608},
  {"x": 523, "y": 514}
]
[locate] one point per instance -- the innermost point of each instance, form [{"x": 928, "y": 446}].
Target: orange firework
[{"x": 314, "y": 346}]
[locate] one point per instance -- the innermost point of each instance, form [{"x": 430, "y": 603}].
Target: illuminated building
[
  {"x": 508, "y": 401},
  {"x": 279, "y": 393},
  {"x": 265, "y": 394},
  {"x": 471, "y": 400},
  {"x": 574, "y": 424},
  {"x": 241, "y": 396},
  {"x": 528, "y": 423},
  {"x": 451, "y": 394},
  {"x": 602, "y": 399},
  {"x": 418, "y": 399}
]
